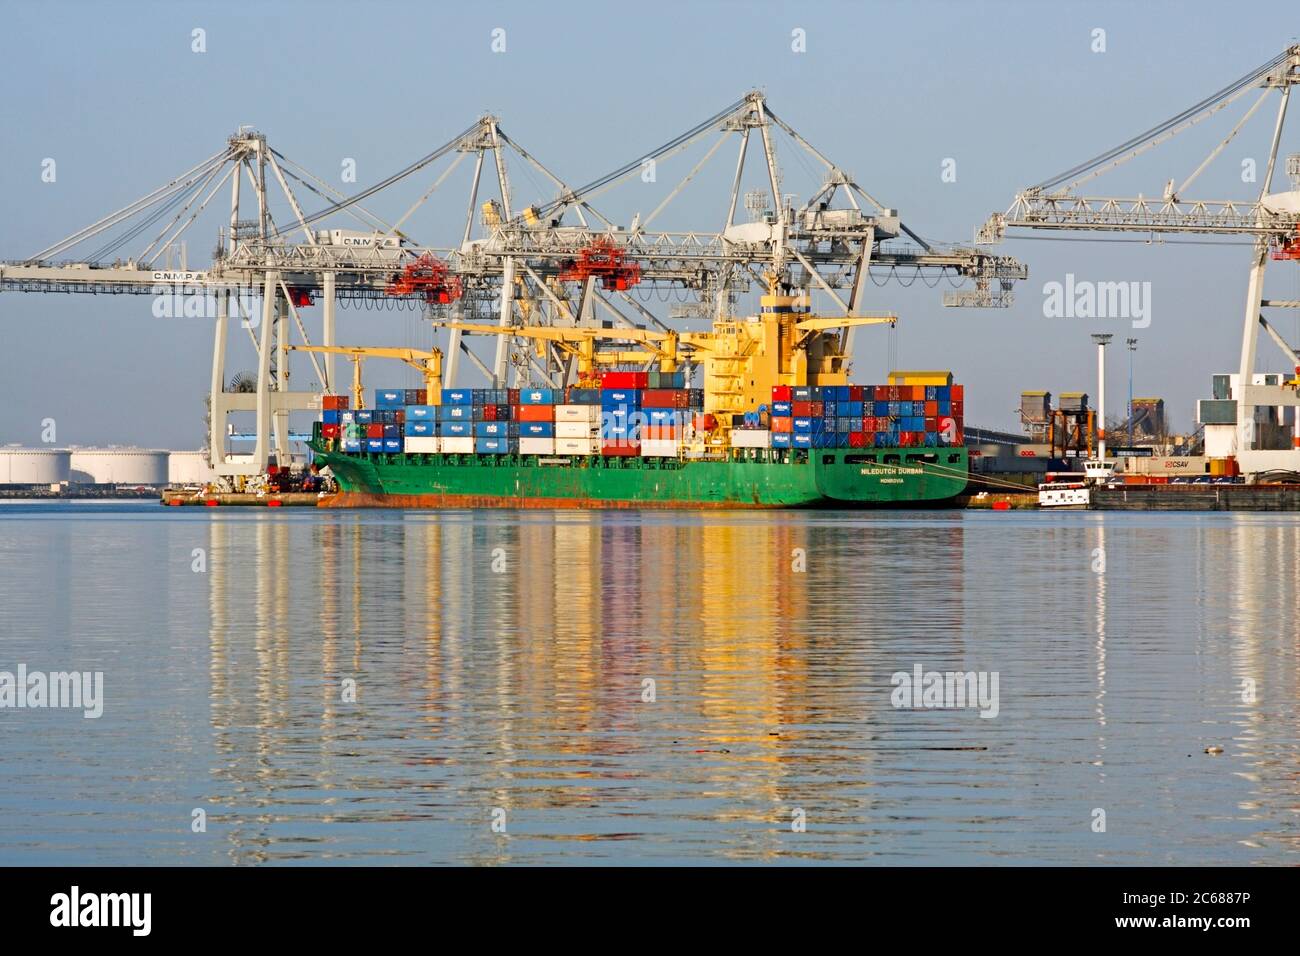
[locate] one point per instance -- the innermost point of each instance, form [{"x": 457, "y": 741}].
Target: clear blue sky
[{"x": 1011, "y": 91}]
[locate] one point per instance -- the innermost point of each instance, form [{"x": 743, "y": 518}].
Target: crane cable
[{"x": 1233, "y": 88}]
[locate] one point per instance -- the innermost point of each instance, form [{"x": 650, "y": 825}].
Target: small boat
[{"x": 1074, "y": 489}]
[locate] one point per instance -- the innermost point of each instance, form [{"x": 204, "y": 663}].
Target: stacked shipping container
[{"x": 862, "y": 416}]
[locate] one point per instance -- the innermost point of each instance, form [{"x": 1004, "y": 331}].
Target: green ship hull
[{"x": 761, "y": 478}]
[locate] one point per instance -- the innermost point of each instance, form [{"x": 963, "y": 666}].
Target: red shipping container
[
  {"x": 893, "y": 391},
  {"x": 957, "y": 393},
  {"x": 780, "y": 393},
  {"x": 665, "y": 398},
  {"x": 703, "y": 422},
  {"x": 857, "y": 439},
  {"x": 374, "y": 431},
  {"x": 931, "y": 409},
  {"x": 957, "y": 408},
  {"x": 334, "y": 402},
  {"x": 932, "y": 424},
  {"x": 855, "y": 393},
  {"x": 489, "y": 413},
  {"x": 782, "y": 423},
  {"x": 329, "y": 431},
  {"x": 422, "y": 396},
  {"x": 801, "y": 409},
  {"x": 869, "y": 424},
  {"x": 633, "y": 380},
  {"x": 621, "y": 449},
  {"x": 400, "y": 417},
  {"x": 536, "y": 413},
  {"x": 512, "y": 395}
]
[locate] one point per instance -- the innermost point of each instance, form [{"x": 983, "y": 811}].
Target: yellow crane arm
[
  {"x": 429, "y": 364},
  {"x": 819, "y": 323}
]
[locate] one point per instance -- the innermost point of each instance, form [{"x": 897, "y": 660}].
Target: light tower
[
  {"x": 1101, "y": 339},
  {"x": 1132, "y": 347}
]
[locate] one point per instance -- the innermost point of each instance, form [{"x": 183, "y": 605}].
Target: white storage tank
[
  {"x": 188, "y": 468},
  {"x": 119, "y": 466},
  {"x": 34, "y": 466}
]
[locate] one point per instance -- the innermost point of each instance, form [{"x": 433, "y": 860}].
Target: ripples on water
[{"x": 522, "y": 690}]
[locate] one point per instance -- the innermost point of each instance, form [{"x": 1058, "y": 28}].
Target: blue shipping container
[
  {"x": 421, "y": 429},
  {"x": 620, "y": 396},
  {"x": 351, "y": 444},
  {"x": 537, "y": 429},
  {"x": 390, "y": 397},
  {"x": 422, "y": 412},
  {"x": 536, "y": 396},
  {"x": 491, "y": 446},
  {"x": 802, "y": 441},
  {"x": 364, "y": 416},
  {"x": 392, "y": 445},
  {"x": 374, "y": 445},
  {"x": 455, "y": 429},
  {"x": 781, "y": 439},
  {"x": 330, "y": 416},
  {"x": 491, "y": 429},
  {"x": 781, "y": 410}
]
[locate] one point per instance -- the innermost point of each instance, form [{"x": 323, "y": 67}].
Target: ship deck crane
[{"x": 428, "y": 364}]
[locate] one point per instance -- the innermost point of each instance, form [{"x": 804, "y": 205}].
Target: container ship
[{"x": 776, "y": 425}]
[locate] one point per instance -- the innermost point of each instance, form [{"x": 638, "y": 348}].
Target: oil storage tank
[
  {"x": 34, "y": 466},
  {"x": 188, "y": 468},
  {"x": 119, "y": 466}
]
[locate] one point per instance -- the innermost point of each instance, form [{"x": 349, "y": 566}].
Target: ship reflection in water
[{"x": 500, "y": 687}]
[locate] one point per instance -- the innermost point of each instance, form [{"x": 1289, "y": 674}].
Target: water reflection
[{"x": 505, "y": 662}]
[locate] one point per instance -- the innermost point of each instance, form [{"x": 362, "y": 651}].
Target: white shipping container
[
  {"x": 577, "y": 446},
  {"x": 537, "y": 446},
  {"x": 572, "y": 429},
  {"x": 751, "y": 438},
  {"x": 660, "y": 447},
  {"x": 457, "y": 445},
  {"x": 577, "y": 413},
  {"x": 422, "y": 444}
]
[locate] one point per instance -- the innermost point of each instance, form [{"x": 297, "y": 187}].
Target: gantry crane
[
  {"x": 555, "y": 262},
  {"x": 1270, "y": 219}
]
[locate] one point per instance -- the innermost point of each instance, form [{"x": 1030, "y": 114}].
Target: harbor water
[{"x": 497, "y": 687}]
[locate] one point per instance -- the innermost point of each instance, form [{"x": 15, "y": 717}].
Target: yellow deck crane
[
  {"x": 742, "y": 358},
  {"x": 429, "y": 364},
  {"x": 580, "y": 342}
]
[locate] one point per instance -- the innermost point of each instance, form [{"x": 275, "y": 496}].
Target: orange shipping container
[{"x": 782, "y": 424}]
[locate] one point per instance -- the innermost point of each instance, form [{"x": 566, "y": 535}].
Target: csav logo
[{"x": 103, "y": 909}]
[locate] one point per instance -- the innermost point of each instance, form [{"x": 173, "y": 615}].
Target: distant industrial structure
[{"x": 54, "y": 469}]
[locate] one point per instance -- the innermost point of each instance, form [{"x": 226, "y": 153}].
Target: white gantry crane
[
  {"x": 556, "y": 261},
  {"x": 1270, "y": 219}
]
